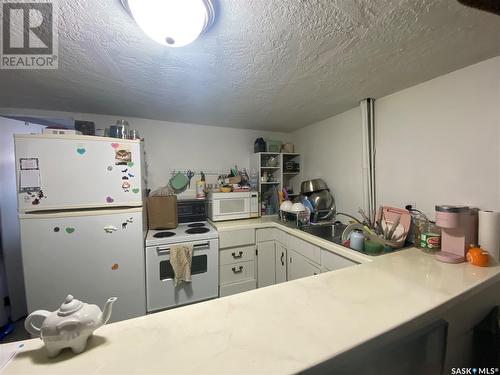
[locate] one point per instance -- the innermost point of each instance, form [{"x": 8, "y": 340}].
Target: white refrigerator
[{"x": 81, "y": 214}]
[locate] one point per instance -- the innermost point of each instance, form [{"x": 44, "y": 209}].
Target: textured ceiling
[{"x": 265, "y": 64}]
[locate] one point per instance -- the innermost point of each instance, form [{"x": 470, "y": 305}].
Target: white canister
[
  {"x": 357, "y": 240},
  {"x": 200, "y": 189}
]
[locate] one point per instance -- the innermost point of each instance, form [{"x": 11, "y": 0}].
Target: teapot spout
[{"x": 106, "y": 313}]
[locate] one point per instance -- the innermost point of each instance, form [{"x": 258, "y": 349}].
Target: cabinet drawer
[
  {"x": 232, "y": 273},
  {"x": 238, "y": 237},
  {"x": 331, "y": 261},
  {"x": 237, "y": 255},
  {"x": 244, "y": 286},
  {"x": 266, "y": 234},
  {"x": 304, "y": 248}
]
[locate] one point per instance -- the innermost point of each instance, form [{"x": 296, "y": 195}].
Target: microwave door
[{"x": 232, "y": 206}]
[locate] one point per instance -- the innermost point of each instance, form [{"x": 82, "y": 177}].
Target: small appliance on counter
[
  {"x": 458, "y": 230},
  {"x": 232, "y": 206}
]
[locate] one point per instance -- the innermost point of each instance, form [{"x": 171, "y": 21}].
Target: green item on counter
[
  {"x": 430, "y": 242},
  {"x": 388, "y": 249},
  {"x": 372, "y": 247}
]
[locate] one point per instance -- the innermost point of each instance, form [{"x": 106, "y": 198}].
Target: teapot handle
[{"x": 28, "y": 323}]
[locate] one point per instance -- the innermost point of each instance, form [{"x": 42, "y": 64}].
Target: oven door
[
  {"x": 161, "y": 293},
  {"x": 230, "y": 208}
]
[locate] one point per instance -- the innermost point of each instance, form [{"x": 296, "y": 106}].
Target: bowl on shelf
[
  {"x": 298, "y": 207},
  {"x": 286, "y": 206},
  {"x": 272, "y": 162}
]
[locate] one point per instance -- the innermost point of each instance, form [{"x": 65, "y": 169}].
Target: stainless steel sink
[
  {"x": 330, "y": 232},
  {"x": 333, "y": 232}
]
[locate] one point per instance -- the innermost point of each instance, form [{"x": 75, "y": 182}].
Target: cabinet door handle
[
  {"x": 240, "y": 254},
  {"x": 290, "y": 259},
  {"x": 282, "y": 260},
  {"x": 239, "y": 270}
]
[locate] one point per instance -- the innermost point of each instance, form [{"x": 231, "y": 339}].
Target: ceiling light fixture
[{"x": 173, "y": 23}]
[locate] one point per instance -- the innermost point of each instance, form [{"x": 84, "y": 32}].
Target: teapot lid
[{"x": 69, "y": 306}]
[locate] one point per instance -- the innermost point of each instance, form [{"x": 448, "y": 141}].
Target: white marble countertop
[{"x": 279, "y": 329}]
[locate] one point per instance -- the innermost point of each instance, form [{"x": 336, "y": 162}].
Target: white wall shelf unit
[{"x": 275, "y": 171}]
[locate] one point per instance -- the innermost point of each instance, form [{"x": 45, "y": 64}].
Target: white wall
[
  {"x": 437, "y": 142},
  {"x": 331, "y": 150}
]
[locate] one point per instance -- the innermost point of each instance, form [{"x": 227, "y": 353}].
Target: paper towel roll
[{"x": 489, "y": 233}]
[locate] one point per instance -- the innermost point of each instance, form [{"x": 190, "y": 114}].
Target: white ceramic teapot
[{"x": 70, "y": 326}]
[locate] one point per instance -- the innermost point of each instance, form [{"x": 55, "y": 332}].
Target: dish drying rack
[{"x": 303, "y": 218}]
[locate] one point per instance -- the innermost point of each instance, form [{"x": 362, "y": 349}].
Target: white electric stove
[{"x": 193, "y": 230}]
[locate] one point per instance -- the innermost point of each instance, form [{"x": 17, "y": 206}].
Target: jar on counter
[{"x": 430, "y": 238}]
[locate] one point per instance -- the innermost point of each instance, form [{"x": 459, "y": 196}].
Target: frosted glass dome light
[{"x": 173, "y": 23}]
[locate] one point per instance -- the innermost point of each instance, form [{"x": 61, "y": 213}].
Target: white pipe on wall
[{"x": 368, "y": 160}]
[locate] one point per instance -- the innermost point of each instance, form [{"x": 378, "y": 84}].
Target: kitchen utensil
[
  {"x": 70, "y": 326},
  {"x": 307, "y": 204},
  {"x": 134, "y": 134},
  {"x": 393, "y": 228},
  {"x": 190, "y": 175},
  {"x": 346, "y": 234},
  {"x": 272, "y": 162},
  {"x": 311, "y": 186},
  {"x": 373, "y": 248},
  {"x": 357, "y": 240},
  {"x": 179, "y": 181},
  {"x": 298, "y": 207},
  {"x": 286, "y": 206},
  {"x": 115, "y": 131},
  {"x": 323, "y": 204},
  {"x": 365, "y": 218},
  {"x": 125, "y": 128},
  {"x": 388, "y": 215}
]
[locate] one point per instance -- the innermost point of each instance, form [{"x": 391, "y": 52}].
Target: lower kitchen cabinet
[
  {"x": 266, "y": 255},
  {"x": 299, "y": 266},
  {"x": 229, "y": 289},
  {"x": 280, "y": 263}
]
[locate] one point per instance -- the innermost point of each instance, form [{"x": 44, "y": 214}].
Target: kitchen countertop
[{"x": 280, "y": 329}]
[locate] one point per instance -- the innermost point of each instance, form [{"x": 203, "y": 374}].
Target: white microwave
[{"x": 232, "y": 206}]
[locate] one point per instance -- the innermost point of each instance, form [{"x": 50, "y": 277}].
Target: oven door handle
[{"x": 198, "y": 246}]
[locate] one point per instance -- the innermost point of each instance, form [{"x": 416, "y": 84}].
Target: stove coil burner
[
  {"x": 163, "y": 234},
  {"x": 197, "y": 230},
  {"x": 196, "y": 225}
]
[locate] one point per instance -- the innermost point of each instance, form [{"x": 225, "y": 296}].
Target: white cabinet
[
  {"x": 299, "y": 266},
  {"x": 306, "y": 249},
  {"x": 280, "y": 263},
  {"x": 266, "y": 255},
  {"x": 237, "y": 267},
  {"x": 332, "y": 262},
  {"x": 238, "y": 237}
]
